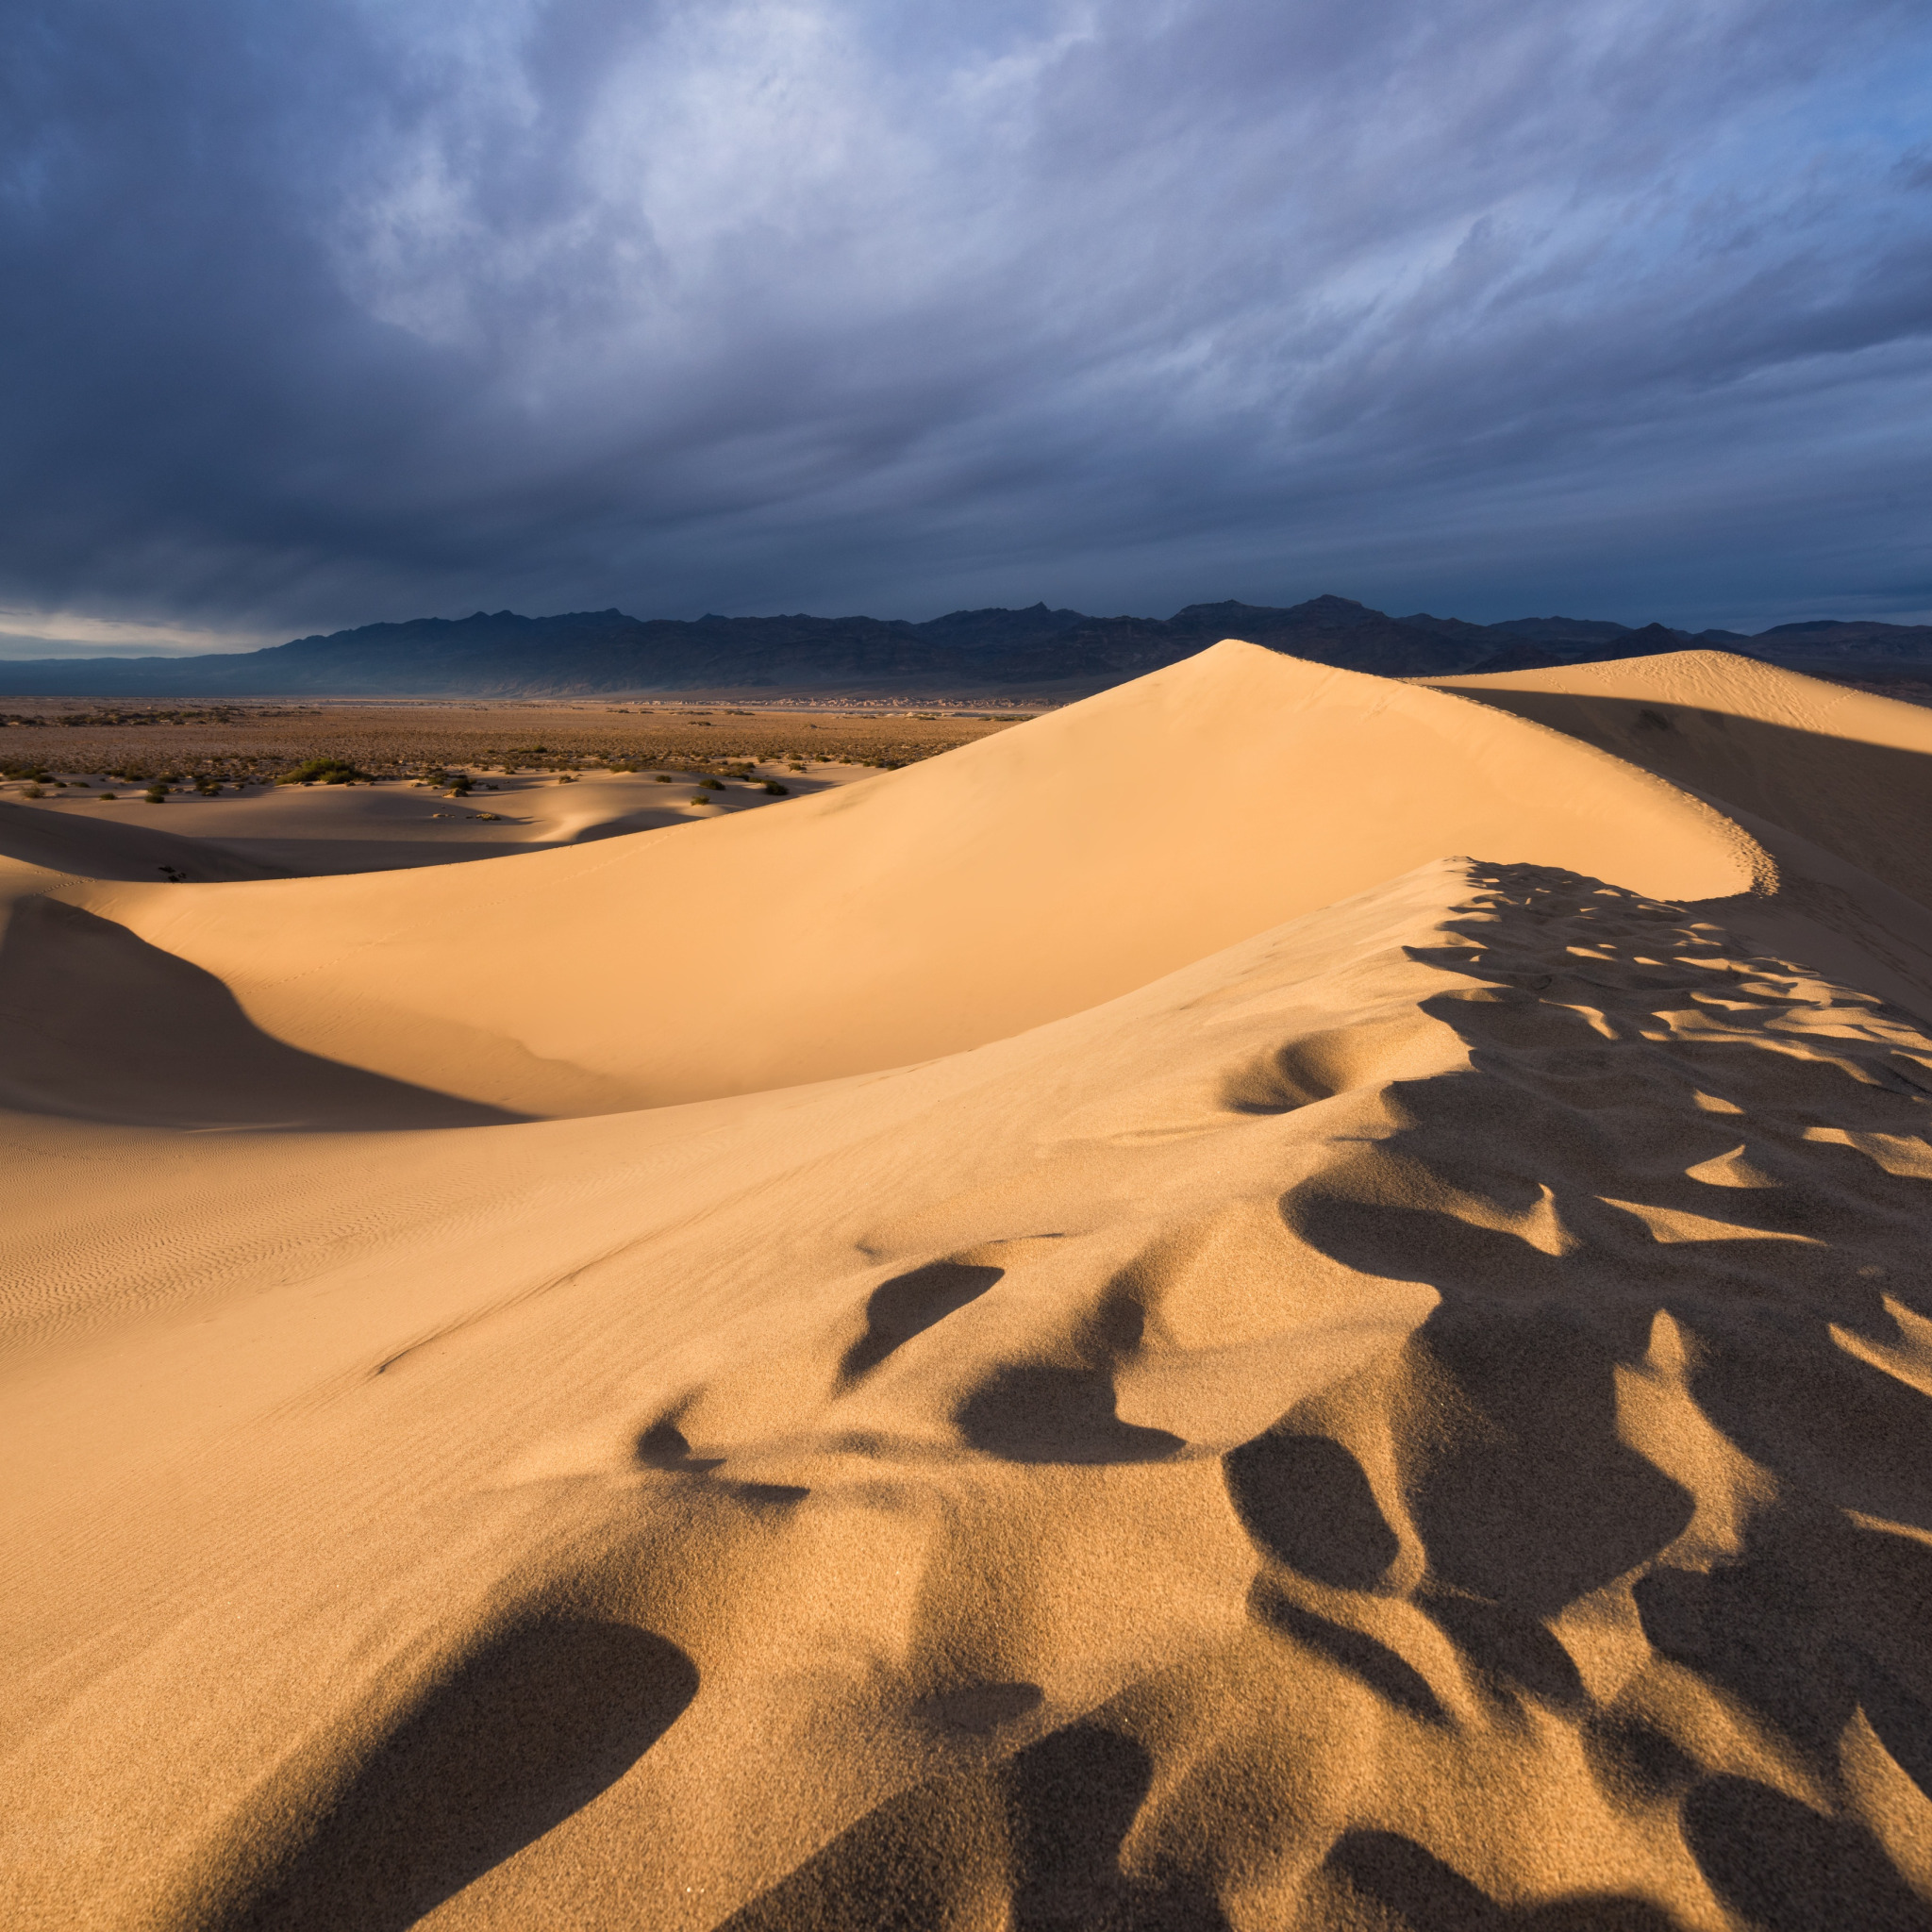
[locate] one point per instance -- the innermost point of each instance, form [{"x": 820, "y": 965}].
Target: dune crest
[
  {"x": 1014, "y": 881},
  {"x": 1845, "y": 770},
  {"x": 1415, "y": 1415}
]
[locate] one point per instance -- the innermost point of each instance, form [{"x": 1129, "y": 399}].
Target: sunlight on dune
[{"x": 1003, "y": 1348}]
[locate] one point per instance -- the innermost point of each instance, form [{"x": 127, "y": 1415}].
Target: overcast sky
[{"x": 314, "y": 312}]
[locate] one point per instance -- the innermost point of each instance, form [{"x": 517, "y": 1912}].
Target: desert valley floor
[{"x": 1275, "y": 1301}]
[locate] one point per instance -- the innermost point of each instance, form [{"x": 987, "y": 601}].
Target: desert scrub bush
[
  {"x": 710, "y": 784},
  {"x": 156, "y": 795},
  {"x": 664, "y": 778},
  {"x": 322, "y": 771},
  {"x": 31, "y": 791},
  {"x": 776, "y": 789}
]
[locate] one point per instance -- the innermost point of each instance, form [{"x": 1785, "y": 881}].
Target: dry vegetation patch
[{"x": 240, "y": 742}]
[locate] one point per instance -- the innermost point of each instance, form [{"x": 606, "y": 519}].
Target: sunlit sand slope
[
  {"x": 1417, "y": 1420},
  {"x": 930, "y": 911},
  {"x": 1849, "y": 772}
]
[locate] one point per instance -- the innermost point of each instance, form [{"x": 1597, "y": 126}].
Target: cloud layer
[{"x": 333, "y": 311}]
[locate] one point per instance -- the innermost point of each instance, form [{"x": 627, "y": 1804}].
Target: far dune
[{"x": 1847, "y": 770}]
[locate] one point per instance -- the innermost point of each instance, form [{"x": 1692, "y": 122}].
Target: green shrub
[
  {"x": 710, "y": 784},
  {"x": 156, "y": 795},
  {"x": 776, "y": 789},
  {"x": 322, "y": 771}
]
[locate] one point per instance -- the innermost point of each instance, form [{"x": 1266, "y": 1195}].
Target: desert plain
[{"x": 1277, "y": 1300}]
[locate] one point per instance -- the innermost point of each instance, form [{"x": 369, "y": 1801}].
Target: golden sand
[{"x": 1280, "y": 1300}]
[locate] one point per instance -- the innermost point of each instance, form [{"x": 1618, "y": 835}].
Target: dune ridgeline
[{"x": 1278, "y": 1300}]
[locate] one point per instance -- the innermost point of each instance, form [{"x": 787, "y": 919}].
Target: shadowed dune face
[
  {"x": 97, "y": 1025},
  {"x": 1421, "y": 1419},
  {"x": 133, "y": 852},
  {"x": 1850, "y": 771}
]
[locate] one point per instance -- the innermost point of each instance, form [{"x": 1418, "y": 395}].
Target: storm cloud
[{"x": 323, "y": 312}]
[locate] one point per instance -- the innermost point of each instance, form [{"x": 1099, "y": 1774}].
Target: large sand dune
[
  {"x": 1187, "y": 1355},
  {"x": 1011, "y": 882}
]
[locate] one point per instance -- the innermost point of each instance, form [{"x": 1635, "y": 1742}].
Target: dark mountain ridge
[{"x": 501, "y": 654}]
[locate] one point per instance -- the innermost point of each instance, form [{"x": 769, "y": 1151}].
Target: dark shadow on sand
[
  {"x": 97, "y": 1025},
  {"x": 516, "y": 1741}
]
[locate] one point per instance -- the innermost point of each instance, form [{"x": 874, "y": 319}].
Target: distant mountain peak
[{"x": 1032, "y": 649}]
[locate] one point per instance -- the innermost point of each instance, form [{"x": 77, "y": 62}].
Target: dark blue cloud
[{"x": 325, "y": 311}]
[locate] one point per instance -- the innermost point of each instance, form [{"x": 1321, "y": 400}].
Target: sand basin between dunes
[{"x": 1343, "y": 1343}]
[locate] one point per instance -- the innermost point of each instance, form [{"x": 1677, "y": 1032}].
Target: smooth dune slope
[
  {"x": 1010, "y": 882},
  {"x": 1413, "y": 1413}
]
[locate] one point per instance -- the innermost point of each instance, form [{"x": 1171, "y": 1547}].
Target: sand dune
[
  {"x": 1850, "y": 771},
  {"x": 932, "y": 909},
  {"x": 306, "y": 831},
  {"x": 1246, "y": 1370},
  {"x": 93, "y": 849}
]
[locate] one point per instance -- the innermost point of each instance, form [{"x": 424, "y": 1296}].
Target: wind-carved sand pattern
[{"x": 1413, "y": 1417}]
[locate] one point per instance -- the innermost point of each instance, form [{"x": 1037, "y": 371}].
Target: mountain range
[{"x": 502, "y": 654}]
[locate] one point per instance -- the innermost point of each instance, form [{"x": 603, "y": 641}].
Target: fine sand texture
[{"x": 1278, "y": 1301}]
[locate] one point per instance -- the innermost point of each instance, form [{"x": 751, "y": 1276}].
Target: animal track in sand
[
  {"x": 1034, "y": 1842},
  {"x": 1308, "y": 1504},
  {"x": 492, "y": 1753},
  {"x": 907, "y": 1305},
  {"x": 1436, "y": 1541},
  {"x": 979, "y": 1709},
  {"x": 1318, "y": 1066}
]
